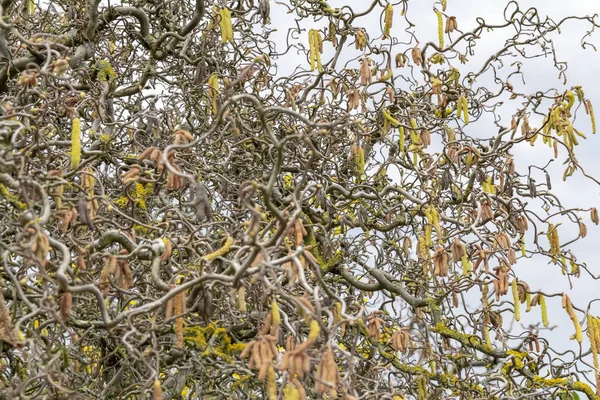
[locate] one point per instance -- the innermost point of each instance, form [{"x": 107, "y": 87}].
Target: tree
[{"x": 180, "y": 219}]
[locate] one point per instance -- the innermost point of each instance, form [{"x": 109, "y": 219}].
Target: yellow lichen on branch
[{"x": 222, "y": 251}]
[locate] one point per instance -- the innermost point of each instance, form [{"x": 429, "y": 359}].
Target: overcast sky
[{"x": 539, "y": 74}]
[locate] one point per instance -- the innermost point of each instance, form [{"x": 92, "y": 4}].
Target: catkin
[
  {"x": 276, "y": 316},
  {"x": 177, "y": 310},
  {"x": 402, "y": 138},
  {"x": 226, "y": 26},
  {"x": 314, "y": 331},
  {"x": 241, "y": 300},
  {"x": 272, "y": 383},
  {"x": 388, "y": 20},
  {"x": 213, "y": 90},
  {"x": 592, "y": 117},
  {"x": 75, "y": 143},
  {"x": 312, "y": 50},
  {"x": 315, "y": 43},
  {"x": 593, "y": 324},
  {"x": 542, "y": 300},
  {"x": 465, "y": 109},
  {"x": 466, "y": 265},
  {"x": 290, "y": 393},
  {"x": 592, "y": 335},
  {"x": 157, "y": 395},
  {"x": 515, "y": 293},
  {"x": 571, "y": 311},
  {"x": 440, "y": 27}
]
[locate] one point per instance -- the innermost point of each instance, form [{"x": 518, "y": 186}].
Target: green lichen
[
  {"x": 578, "y": 386},
  {"x": 11, "y": 198},
  {"x": 213, "y": 341},
  {"x": 122, "y": 201},
  {"x": 139, "y": 194},
  {"x": 142, "y": 192},
  {"x": 105, "y": 138},
  {"x": 105, "y": 71},
  {"x": 141, "y": 230},
  {"x": 466, "y": 339},
  {"x": 310, "y": 240},
  {"x": 446, "y": 380},
  {"x": 240, "y": 381}
]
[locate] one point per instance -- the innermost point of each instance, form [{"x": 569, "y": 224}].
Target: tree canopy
[{"x": 287, "y": 200}]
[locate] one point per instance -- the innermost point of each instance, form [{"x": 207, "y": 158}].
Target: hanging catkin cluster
[
  {"x": 462, "y": 108},
  {"x": 328, "y": 375},
  {"x": 315, "y": 45},
  {"x": 593, "y": 331},
  {"x": 554, "y": 241},
  {"x": 361, "y": 40}
]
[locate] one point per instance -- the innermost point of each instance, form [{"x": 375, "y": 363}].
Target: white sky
[{"x": 539, "y": 74}]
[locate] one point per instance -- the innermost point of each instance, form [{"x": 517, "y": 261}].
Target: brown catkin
[
  {"x": 157, "y": 390},
  {"x": 66, "y": 304},
  {"x": 177, "y": 310}
]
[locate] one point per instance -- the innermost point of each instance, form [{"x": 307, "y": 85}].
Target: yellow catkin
[
  {"x": 388, "y": 20},
  {"x": 515, "y": 293},
  {"x": 272, "y": 384},
  {"x": 486, "y": 335},
  {"x": 312, "y": 49},
  {"x": 75, "y": 143},
  {"x": 242, "y": 299},
  {"x": 290, "y": 393},
  {"x": 465, "y": 110},
  {"x": 450, "y": 133},
  {"x": 413, "y": 124},
  {"x": 213, "y": 90},
  {"x": 314, "y": 331},
  {"x": 575, "y": 320},
  {"x": 592, "y": 117},
  {"x": 276, "y": 320},
  {"x": 440, "y": 27},
  {"x": 220, "y": 252},
  {"x": 226, "y": 26},
  {"x": 596, "y": 324},
  {"x": 401, "y": 138},
  {"x": 315, "y": 43},
  {"x": 595, "y": 342},
  {"x": 544, "y": 310},
  {"x": 592, "y": 335}
]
